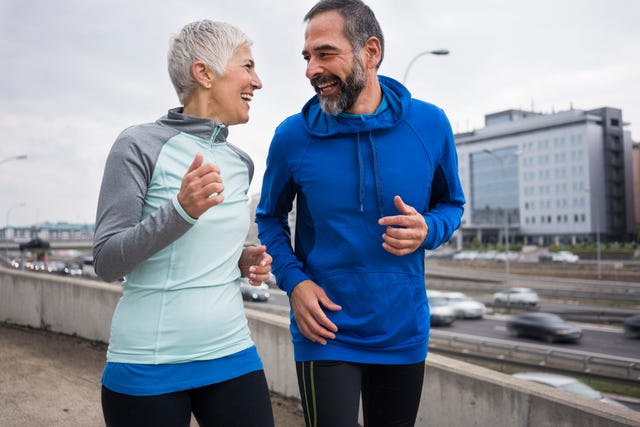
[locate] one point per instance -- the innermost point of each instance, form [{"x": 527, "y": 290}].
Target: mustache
[{"x": 316, "y": 81}]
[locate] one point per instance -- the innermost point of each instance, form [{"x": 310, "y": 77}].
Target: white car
[
  {"x": 254, "y": 293},
  {"x": 569, "y": 384},
  {"x": 442, "y": 314},
  {"x": 564, "y": 256},
  {"x": 466, "y": 255},
  {"x": 465, "y": 307},
  {"x": 516, "y": 296}
]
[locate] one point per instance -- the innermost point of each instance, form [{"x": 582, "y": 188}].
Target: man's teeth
[{"x": 246, "y": 96}]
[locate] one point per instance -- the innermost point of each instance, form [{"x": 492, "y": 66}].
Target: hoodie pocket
[{"x": 378, "y": 309}]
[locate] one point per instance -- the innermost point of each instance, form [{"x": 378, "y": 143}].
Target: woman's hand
[
  {"x": 255, "y": 264},
  {"x": 201, "y": 188}
]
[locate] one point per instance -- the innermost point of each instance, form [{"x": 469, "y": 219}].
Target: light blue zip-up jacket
[
  {"x": 345, "y": 171},
  {"x": 181, "y": 299}
]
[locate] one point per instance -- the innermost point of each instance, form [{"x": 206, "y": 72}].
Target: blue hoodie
[{"x": 345, "y": 171}]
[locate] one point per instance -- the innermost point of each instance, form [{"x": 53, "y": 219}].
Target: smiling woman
[{"x": 172, "y": 220}]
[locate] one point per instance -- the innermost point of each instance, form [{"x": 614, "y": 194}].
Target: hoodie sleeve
[
  {"x": 122, "y": 240},
  {"x": 447, "y": 198},
  {"x": 276, "y": 201}
]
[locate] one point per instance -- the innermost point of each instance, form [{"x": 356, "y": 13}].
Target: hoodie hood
[{"x": 320, "y": 124}]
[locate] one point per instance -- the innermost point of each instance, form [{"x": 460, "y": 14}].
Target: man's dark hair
[{"x": 360, "y": 21}]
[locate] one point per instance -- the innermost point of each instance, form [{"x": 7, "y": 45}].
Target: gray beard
[{"x": 349, "y": 92}]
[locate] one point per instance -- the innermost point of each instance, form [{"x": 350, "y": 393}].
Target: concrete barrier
[{"x": 455, "y": 393}]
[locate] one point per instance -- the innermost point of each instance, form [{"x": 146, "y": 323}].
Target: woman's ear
[{"x": 201, "y": 73}]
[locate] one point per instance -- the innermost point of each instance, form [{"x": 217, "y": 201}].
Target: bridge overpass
[{"x": 54, "y": 245}]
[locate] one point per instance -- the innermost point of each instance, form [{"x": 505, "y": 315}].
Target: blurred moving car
[
  {"x": 254, "y": 293},
  {"x": 564, "y": 256},
  {"x": 73, "y": 270},
  {"x": 464, "y": 306},
  {"x": 632, "y": 326},
  {"x": 56, "y": 267},
  {"x": 516, "y": 296},
  {"x": 545, "y": 326},
  {"x": 442, "y": 314},
  {"x": 466, "y": 255},
  {"x": 569, "y": 384},
  {"x": 502, "y": 256}
]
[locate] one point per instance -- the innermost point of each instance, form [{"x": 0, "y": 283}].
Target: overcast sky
[{"x": 75, "y": 73}]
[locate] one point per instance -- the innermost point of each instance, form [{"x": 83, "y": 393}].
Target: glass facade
[{"x": 494, "y": 187}]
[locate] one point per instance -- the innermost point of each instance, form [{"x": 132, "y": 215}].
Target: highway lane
[{"x": 596, "y": 338}]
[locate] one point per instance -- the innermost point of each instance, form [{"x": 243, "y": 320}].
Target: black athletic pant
[
  {"x": 330, "y": 393},
  {"x": 240, "y": 402}
]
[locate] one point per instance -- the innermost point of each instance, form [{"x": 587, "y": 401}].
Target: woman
[{"x": 172, "y": 220}]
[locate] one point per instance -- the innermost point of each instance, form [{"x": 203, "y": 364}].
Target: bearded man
[{"x": 374, "y": 176}]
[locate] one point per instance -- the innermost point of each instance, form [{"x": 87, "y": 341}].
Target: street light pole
[
  {"x": 20, "y": 157},
  {"x": 588, "y": 190},
  {"x": 598, "y": 242},
  {"x": 501, "y": 160},
  {"x": 19, "y": 205},
  {"x": 439, "y": 52}
]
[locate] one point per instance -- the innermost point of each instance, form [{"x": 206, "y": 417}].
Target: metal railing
[{"x": 603, "y": 366}]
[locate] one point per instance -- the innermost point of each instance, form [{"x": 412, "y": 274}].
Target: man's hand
[
  {"x": 405, "y": 233},
  {"x": 201, "y": 188},
  {"x": 255, "y": 264},
  {"x": 307, "y": 301}
]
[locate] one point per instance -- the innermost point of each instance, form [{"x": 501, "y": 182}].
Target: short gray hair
[{"x": 211, "y": 42}]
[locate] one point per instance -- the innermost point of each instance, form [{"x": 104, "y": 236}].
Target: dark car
[
  {"x": 254, "y": 293},
  {"x": 544, "y": 326},
  {"x": 632, "y": 326}
]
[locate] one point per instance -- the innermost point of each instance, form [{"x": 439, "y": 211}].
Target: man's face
[{"x": 334, "y": 70}]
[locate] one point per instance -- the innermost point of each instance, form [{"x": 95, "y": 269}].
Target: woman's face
[{"x": 232, "y": 92}]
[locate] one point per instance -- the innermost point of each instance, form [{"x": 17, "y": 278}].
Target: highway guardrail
[{"x": 603, "y": 366}]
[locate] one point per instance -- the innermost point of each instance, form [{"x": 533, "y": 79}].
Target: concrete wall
[{"x": 455, "y": 393}]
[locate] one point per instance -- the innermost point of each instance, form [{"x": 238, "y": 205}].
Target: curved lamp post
[
  {"x": 20, "y": 157},
  {"x": 440, "y": 52},
  {"x": 19, "y": 205}
]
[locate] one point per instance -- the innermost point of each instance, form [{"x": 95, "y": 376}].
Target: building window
[{"x": 615, "y": 122}]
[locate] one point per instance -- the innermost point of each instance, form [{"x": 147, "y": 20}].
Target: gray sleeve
[{"x": 122, "y": 240}]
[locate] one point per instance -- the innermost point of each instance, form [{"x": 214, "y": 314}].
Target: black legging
[
  {"x": 240, "y": 402},
  {"x": 330, "y": 393}
]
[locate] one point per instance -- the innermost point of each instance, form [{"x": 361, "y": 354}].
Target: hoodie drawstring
[
  {"x": 376, "y": 174},
  {"x": 361, "y": 173}
]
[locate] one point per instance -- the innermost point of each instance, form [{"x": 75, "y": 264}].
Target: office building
[{"x": 560, "y": 178}]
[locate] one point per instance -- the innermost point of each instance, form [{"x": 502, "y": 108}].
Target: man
[{"x": 374, "y": 174}]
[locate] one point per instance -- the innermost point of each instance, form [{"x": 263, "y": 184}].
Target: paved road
[
  {"x": 596, "y": 339},
  {"x": 51, "y": 380}
]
